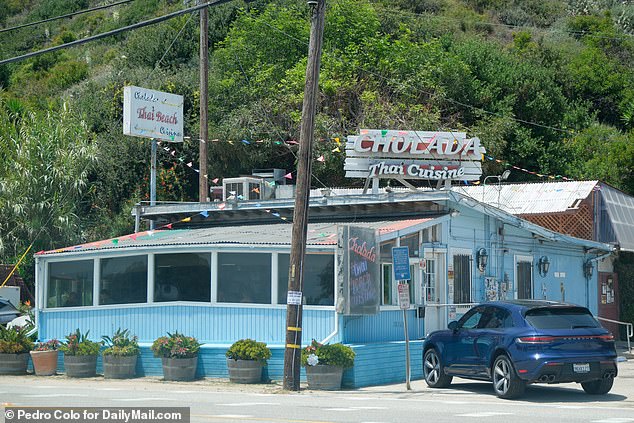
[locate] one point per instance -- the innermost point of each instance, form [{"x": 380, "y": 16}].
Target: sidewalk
[{"x": 622, "y": 351}]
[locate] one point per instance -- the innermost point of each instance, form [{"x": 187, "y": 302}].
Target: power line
[
  {"x": 68, "y": 15},
  {"x": 429, "y": 93},
  {"x": 114, "y": 32}
]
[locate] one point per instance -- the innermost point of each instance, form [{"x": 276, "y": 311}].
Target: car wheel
[
  {"x": 506, "y": 384},
  {"x": 598, "y": 387},
  {"x": 433, "y": 370}
]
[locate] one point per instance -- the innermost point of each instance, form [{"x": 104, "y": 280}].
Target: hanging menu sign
[{"x": 358, "y": 252}]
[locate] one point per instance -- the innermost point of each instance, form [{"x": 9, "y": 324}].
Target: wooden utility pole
[
  {"x": 203, "y": 183},
  {"x": 292, "y": 353}
]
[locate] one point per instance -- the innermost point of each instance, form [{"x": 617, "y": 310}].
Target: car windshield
[{"x": 561, "y": 318}]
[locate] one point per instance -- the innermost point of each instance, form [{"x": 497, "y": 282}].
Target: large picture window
[
  {"x": 182, "y": 277},
  {"x": 70, "y": 284},
  {"x": 244, "y": 278},
  {"x": 319, "y": 279},
  {"x": 123, "y": 280}
]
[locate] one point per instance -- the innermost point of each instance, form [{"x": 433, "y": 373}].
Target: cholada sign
[
  {"x": 376, "y": 153},
  {"x": 152, "y": 114}
]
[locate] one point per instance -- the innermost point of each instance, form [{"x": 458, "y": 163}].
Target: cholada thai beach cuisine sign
[
  {"x": 152, "y": 114},
  {"x": 380, "y": 153}
]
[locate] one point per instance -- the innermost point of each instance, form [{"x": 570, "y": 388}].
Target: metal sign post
[
  {"x": 403, "y": 302},
  {"x": 400, "y": 263}
]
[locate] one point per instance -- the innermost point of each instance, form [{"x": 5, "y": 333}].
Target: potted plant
[
  {"x": 325, "y": 363},
  {"x": 15, "y": 345},
  {"x": 179, "y": 355},
  {"x": 245, "y": 359},
  {"x": 120, "y": 355},
  {"x": 80, "y": 355},
  {"x": 44, "y": 357}
]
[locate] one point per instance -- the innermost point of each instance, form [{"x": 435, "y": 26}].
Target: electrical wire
[
  {"x": 429, "y": 93},
  {"x": 114, "y": 32},
  {"x": 68, "y": 15}
]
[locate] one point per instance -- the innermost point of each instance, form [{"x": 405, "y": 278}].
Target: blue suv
[{"x": 514, "y": 343}]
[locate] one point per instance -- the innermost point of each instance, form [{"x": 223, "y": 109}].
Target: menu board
[{"x": 358, "y": 252}]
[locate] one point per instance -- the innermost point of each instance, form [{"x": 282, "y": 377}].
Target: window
[
  {"x": 431, "y": 234},
  {"x": 70, "y": 283},
  {"x": 254, "y": 191},
  {"x": 390, "y": 289},
  {"x": 319, "y": 279},
  {"x": 386, "y": 281},
  {"x": 430, "y": 281},
  {"x": 123, "y": 280},
  {"x": 412, "y": 242},
  {"x": 235, "y": 188},
  {"x": 244, "y": 278},
  {"x": 462, "y": 279},
  {"x": 471, "y": 319},
  {"x": 386, "y": 251},
  {"x": 496, "y": 318},
  {"x": 182, "y": 277},
  {"x": 561, "y": 318}
]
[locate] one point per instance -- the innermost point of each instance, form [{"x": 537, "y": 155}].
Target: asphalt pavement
[{"x": 217, "y": 400}]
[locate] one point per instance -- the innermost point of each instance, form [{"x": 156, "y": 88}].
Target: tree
[{"x": 45, "y": 160}]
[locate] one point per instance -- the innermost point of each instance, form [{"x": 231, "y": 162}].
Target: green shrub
[
  {"x": 175, "y": 345},
  {"x": 51, "y": 345},
  {"x": 121, "y": 344},
  {"x": 14, "y": 340},
  {"x": 78, "y": 344},
  {"x": 328, "y": 354},
  {"x": 248, "y": 349}
]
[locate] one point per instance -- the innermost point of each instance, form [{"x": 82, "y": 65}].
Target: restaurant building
[{"x": 219, "y": 271}]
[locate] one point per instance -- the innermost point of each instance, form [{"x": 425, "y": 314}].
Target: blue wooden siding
[
  {"x": 381, "y": 363},
  {"x": 382, "y": 327},
  {"x": 210, "y": 324}
]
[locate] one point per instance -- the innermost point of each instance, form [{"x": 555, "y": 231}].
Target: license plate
[{"x": 581, "y": 368}]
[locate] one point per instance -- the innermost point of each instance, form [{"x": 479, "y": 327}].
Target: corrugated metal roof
[
  {"x": 529, "y": 198},
  {"x": 533, "y": 198},
  {"x": 620, "y": 207},
  {"x": 318, "y": 234}
]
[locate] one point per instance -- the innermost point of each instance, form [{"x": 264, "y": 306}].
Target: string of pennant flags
[
  {"x": 273, "y": 212},
  {"x": 521, "y": 169},
  {"x": 215, "y": 180},
  {"x": 321, "y": 159}
]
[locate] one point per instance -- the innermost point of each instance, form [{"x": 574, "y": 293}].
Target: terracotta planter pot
[
  {"x": 119, "y": 367},
  {"x": 44, "y": 362},
  {"x": 80, "y": 365},
  {"x": 324, "y": 377},
  {"x": 180, "y": 369},
  {"x": 244, "y": 371},
  {"x": 13, "y": 364}
]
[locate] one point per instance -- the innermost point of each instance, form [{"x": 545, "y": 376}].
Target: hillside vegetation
[{"x": 547, "y": 85}]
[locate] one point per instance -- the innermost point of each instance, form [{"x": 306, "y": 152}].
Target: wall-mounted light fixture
[
  {"x": 588, "y": 267},
  {"x": 483, "y": 258},
  {"x": 543, "y": 265}
]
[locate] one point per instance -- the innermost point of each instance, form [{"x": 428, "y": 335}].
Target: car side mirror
[{"x": 453, "y": 326}]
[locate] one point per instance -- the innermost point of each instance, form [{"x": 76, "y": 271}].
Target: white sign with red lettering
[
  {"x": 403, "y": 295},
  {"x": 425, "y": 155},
  {"x": 152, "y": 114}
]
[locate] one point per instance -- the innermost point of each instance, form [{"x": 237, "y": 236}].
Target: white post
[{"x": 153, "y": 179}]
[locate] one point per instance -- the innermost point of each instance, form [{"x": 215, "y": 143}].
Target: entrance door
[
  {"x": 524, "y": 278},
  {"x": 434, "y": 292},
  {"x": 608, "y": 303}
]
